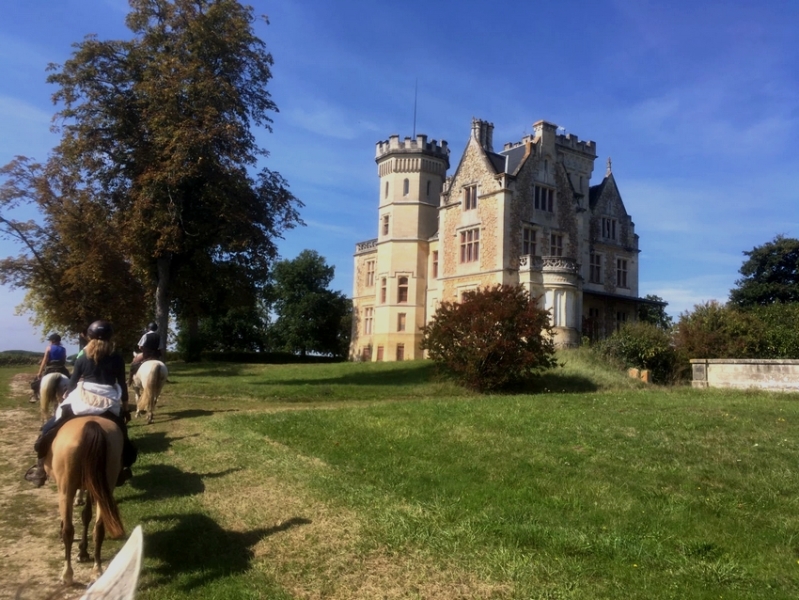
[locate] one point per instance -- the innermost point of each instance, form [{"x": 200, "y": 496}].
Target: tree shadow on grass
[
  {"x": 550, "y": 382},
  {"x": 193, "y": 413},
  {"x": 196, "y": 550},
  {"x": 153, "y": 442},
  {"x": 159, "y": 482}
]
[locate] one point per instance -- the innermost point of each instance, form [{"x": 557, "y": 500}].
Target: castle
[{"x": 525, "y": 215}]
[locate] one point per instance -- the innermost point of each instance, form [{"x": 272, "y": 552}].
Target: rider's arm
[
  {"x": 77, "y": 372},
  {"x": 45, "y": 360}
]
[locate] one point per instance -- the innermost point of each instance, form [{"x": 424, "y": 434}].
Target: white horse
[
  {"x": 52, "y": 390},
  {"x": 148, "y": 382}
]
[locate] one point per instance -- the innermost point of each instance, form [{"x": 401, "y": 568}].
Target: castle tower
[{"x": 412, "y": 174}]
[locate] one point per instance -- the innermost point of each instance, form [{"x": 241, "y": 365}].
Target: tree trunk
[{"x": 162, "y": 298}]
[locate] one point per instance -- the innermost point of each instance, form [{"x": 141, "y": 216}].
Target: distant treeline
[{"x": 9, "y": 358}]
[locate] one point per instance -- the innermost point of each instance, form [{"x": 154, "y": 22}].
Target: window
[
  {"x": 383, "y": 290},
  {"x": 402, "y": 289},
  {"x": 556, "y": 245},
  {"x": 544, "y": 198},
  {"x": 435, "y": 263},
  {"x": 406, "y": 187},
  {"x": 470, "y": 197},
  {"x": 528, "y": 241},
  {"x": 595, "y": 273},
  {"x": 386, "y": 192},
  {"x": 621, "y": 273},
  {"x": 380, "y": 354},
  {"x": 400, "y": 352},
  {"x": 621, "y": 319},
  {"x": 593, "y": 313},
  {"x": 470, "y": 245},
  {"x": 385, "y": 224},
  {"x": 368, "y": 319},
  {"x": 401, "y": 322},
  {"x": 608, "y": 228},
  {"x": 366, "y": 353},
  {"x": 370, "y": 273},
  {"x": 429, "y": 183}
]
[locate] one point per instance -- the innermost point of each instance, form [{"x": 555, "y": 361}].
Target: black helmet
[
  {"x": 55, "y": 338},
  {"x": 100, "y": 330},
  {"x": 153, "y": 326}
]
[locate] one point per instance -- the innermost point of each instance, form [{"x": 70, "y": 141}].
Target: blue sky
[{"x": 697, "y": 103}]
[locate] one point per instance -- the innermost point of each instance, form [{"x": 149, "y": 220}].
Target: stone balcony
[
  {"x": 556, "y": 264},
  {"x": 366, "y": 247}
]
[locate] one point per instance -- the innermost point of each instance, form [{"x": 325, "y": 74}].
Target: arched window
[
  {"x": 406, "y": 187},
  {"x": 386, "y": 194},
  {"x": 402, "y": 289}
]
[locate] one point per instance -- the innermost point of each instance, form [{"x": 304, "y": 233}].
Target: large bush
[
  {"x": 494, "y": 338},
  {"x": 644, "y": 346},
  {"x": 716, "y": 331},
  {"x": 781, "y": 324}
]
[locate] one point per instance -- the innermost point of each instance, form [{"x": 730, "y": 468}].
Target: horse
[
  {"x": 148, "y": 382},
  {"x": 52, "y": 390},
  {"x": 87, "y": 453}
]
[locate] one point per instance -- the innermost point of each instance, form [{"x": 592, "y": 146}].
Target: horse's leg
[
  {"x": 67, "y": 534},
  {"x": 99, "y": 536},
  {"x": 86, "y": 518},
  {"x": 80, "y": 497}
]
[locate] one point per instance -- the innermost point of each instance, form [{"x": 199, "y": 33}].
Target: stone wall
[{"x": 780, "y": 375}]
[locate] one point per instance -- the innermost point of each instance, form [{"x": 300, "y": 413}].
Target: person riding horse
[
  {"x": 149, "y": 349},
  {"x": 53, "y": 361},
  {"x": 97, "y": 387}
]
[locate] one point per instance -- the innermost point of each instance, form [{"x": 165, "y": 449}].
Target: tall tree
[
  {"x": 309, "y": 316},
  {"x": 770, "y": 274},
  {"x": 654, "y": 312},
  {"x": 157, "y": 136}
]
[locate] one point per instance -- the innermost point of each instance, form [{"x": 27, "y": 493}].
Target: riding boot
[{"x": 36, "y": 474}]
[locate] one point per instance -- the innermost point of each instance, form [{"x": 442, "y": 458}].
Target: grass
[{"x": 381, "y": 480}]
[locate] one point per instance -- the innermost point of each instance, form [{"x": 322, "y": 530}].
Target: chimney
[{"x": 483, "y": 132}]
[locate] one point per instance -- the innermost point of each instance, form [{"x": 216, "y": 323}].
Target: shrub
[
  {"x": 781, "y": 324},
  {"x": 495, "y": 338},
  {"x": 644, "y": 346},
  {"x": 716, "y": 331}
]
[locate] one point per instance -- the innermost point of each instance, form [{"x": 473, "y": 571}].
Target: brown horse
[{"x": 87, "y": 453}]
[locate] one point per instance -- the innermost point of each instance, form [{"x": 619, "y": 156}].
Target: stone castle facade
[{"x": 525, "y": 215}]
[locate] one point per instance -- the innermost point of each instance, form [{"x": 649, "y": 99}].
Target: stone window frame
[
  {"x": 435, "y": 264},
  {"x": 469, "y": 245},
  {"x": 385, "y": 194},
  {"x": 401, "y": 321},
  {"x": 386, "y": 224},
  {"x": 529, "y": 240},
  {"x": 368, "y": 319},
  {"x": 609, "y": 228},
  {"x": 403, "y": 288},
  {"x": 621, "y": 273},
  {"x": 595, "y": 267},
  {"x": 406, "y": 187},
  {"x": 470, "y": 197},
  {"x": 370, "y": 273},
  {"x": 400, "y": 352},
  {"x": 383, "y": 290},
  {"x": 543, "y": 198},
  {"x": 556, "y": 244}
]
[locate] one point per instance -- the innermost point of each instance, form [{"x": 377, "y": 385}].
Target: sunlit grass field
[{"x": 386, "y": 481}]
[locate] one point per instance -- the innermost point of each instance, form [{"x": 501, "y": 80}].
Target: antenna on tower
[{"x": 415, "y": 94}]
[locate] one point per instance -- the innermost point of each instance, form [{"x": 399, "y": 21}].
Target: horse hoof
[
  {"x": 84, "y": 557},
  {"x": 66, "y": 577}
]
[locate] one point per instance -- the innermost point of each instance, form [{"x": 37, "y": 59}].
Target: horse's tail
[
  {"x": 156, "y": 378},
  {"x": 93, "y": 459}
]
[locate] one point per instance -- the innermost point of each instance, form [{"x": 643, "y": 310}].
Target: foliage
[
  {"x": 781, "y": 323},
  {"x": 154, "y": 169},
  {"x": 644, "y": 346},
  {"x": 770, "y": 274},
  {"x": 494, "y": 338},
  {"x": 716, "y": 331},
  {"x": 309, "y": 317},
  {"x": 655, "y": 313}
]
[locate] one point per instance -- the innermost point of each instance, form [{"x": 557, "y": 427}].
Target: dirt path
[{"x": 31, "y": 553}]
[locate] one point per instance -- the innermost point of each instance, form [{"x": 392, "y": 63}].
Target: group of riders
[{"x": 97, "y": 386}]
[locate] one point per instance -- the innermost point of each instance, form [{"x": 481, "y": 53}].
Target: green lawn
[{"x": 380, "y": 480}]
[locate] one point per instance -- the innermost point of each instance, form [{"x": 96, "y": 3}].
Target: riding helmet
[
  {"x": 55, "y": 338},
  {"x": 100, "y": 330},
  {"x": 153, "y": 326}
]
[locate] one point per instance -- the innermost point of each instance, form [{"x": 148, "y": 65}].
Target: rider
[
  {"x": 54, "y": 359},
  {"x": 97, "y": 387},
  {"x": 149, "y": 349}
]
